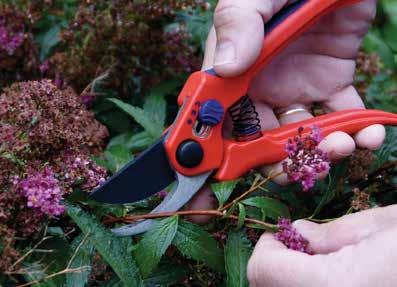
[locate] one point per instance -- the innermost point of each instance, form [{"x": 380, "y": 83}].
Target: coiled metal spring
[{"x": 246, "y": 123}]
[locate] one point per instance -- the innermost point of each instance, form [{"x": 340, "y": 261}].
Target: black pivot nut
[{"x": 189, "y": 154}]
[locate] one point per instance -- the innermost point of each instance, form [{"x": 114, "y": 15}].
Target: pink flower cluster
[
  {"x": 290, "y": 237},
  {"x": 42, "y": 191},
  {"x": 305, "y": 159},
  {"x": 83, "y": 171},
  {"x": 10, "y": 41}
]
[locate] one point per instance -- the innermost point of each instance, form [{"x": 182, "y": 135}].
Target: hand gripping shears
[{"x": 194, "y": 149}]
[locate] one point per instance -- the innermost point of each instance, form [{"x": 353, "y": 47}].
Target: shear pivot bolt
[{"x": 189, "y": 154}]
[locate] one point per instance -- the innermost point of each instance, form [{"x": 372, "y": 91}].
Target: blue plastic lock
[{"x": 211, "y": 113}]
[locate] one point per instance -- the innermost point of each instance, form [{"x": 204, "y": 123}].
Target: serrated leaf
[
  {"x": 117, "y": 156},
  {"x": 155, "y": 108},
  {"x": 141, "y": 117},
  {"x": 154, "y": 244},
  {"x": 166, "y": 275},
  {"x": 82, "y": 259},
  {"x": 241, "y": 216},
  {"x": 223, "y": 190},
  {"x": 273, "y": 208},
  {"x": 140, "y": 141},
  {"x": 238, "y": 250},
  {"x": 112, "y": 248},
  {"x": 199, "y": 245}
]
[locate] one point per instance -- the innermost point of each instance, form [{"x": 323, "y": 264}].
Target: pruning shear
[{"x": 193, "y": 149}]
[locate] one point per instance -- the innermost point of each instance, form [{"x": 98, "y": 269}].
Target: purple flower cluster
[
  {"x": 42, "y": 191},
  {"x": 305, "y": 159},
  {"x": 10, "y": 41},
  {"x": 290, "y": 237}
]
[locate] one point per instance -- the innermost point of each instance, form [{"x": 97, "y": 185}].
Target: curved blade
[
  {"x": 185, "y": 189},
  {"x": 148, "y": 174}
]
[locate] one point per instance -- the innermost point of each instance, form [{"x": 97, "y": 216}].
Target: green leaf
[
  {"x": 55, "y": 231},
  {"x": 141, "y": 117},
  {"x": 155, "y": 108},
  {"x": 121, "y": 139},
  {"x": 132, "y": 142},
  {"x": 117, "y": 156},
  {"x": 223, "y": 190},
  {"x": 140, "y": 141},
  {"x": 390, "y": 7},
  {"x": 385, "y": 153},
  {"x": 389, "y": 32},
  {"x": 112, "y": 248},
  {"x": 373, "y": 42},
  {"x": 241, "y": 216},
  {"x": 198, "y": 244},
  {"x": 273, "y": 208},
  {"x": 115, "y": 120},
  {"x": 238, "y": 250},
  {"x": 36, "y": 271},
  {"x": 82, "y": 259},
  {"x": 154, "y": 244},
  {"x": 49, "y": 40},
  {"x": 166, "y": 275}
]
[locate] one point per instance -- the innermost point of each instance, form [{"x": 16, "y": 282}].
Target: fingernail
[
  {"x": 225, "y": 53},
  {"x": 341, "y": 154}
]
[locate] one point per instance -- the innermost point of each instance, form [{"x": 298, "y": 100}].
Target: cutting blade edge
[{"x": 141, "y": 178}]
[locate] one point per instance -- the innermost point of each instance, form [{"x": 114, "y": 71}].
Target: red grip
[
  {"x": 291, "y": 28},
  {"x": 241, "y": 157}
]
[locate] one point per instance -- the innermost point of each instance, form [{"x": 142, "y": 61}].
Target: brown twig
[
  {"x": 249, "y": 191},
  {"x": 217, "y": 213},
  {"x": 28, "y": 253}
]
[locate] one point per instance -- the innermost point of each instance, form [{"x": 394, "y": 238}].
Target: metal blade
[
  {"x": 148, "y": 174},
  {"x": 177, "y": 198}
]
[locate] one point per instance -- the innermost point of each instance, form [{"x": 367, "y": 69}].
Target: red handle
[
  {"x": 289, "y": 24},
  {"x": 242, "y": 157},
  {"x": 203, "y": 86}
]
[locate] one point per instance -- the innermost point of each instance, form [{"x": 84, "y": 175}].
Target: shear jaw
[{"x": 185, "y": 189}]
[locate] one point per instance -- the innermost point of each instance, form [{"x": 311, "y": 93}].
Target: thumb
[
  {"x": 239, "y": 27},
  {"x": 348, "y": 230}
]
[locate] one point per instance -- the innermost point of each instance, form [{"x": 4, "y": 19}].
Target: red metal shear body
[{"x": 231, "y": 158}]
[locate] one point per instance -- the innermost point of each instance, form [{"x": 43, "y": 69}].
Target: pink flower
[
  {"x": 82, "y": 171},
  {"x": 290, "y": 237},
  {"x": 42, "y": 191},
  {"x": 88, "y": 99},
  {"x": 162, "y": 194},
  {"x": 44, "y": 67},
  {"x": 305, "y": 160},
  {"x": 10, "y": 41}
]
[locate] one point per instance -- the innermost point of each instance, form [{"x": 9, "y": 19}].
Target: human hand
[
  {"x": 319, "y": 67},
  {"x": 357, "y": 250}
]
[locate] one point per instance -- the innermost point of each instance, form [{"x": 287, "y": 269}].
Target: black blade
[{"x": 148, "y": 174}]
